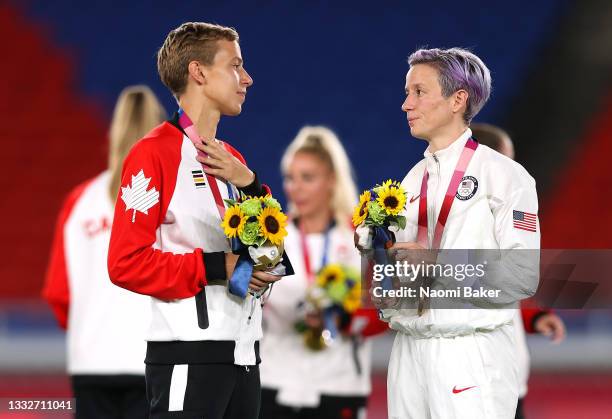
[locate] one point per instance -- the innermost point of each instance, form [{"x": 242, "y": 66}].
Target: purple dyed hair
[{"x": 459, "y": 70}]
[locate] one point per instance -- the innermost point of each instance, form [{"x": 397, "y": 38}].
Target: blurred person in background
[
  {"x": 307, "y": 373},
  {"x": 105, "y": 324},
  {"x": 530, "y": 319}
]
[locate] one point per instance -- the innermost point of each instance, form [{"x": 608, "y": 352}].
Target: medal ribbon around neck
[
  {"x": 310, "y": 276},
  {"x": 464, "y": 160},
  {"x": 190, "y": 129},
  {"x": 239, "y": 282}
]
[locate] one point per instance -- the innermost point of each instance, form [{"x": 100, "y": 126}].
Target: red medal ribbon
[
  {"x": 422, "y": 236},
  {"x": 310, "y": 276},
  {"x": 187, "y": 125}
]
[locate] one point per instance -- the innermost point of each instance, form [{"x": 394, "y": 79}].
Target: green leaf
[
  {"x": 260, "y": 241},
  {"x": 370, "y": 223},
  {"x": 401, "y": 220}
]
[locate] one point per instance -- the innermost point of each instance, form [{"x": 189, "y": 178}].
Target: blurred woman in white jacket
[
  {"x": 105, "y": 324},
  {"x": 334, "y": 381}
]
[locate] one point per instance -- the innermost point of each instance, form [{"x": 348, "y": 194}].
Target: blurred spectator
[
  {"x": 304, "y": 372},
  {"x": 105, "y": 324},
  {"x": 532, "y": 320}
]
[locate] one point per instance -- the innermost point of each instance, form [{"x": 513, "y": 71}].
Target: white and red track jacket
[
  {"x": 299, "y": 374},
  {"x": 167, "y": 242},
  {"x": 105, "y": 324}
]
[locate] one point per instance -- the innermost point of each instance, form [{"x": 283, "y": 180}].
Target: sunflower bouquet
[
  {"x": 381, "y": 206},
  {"x": 334, "y": 297},
  {"x": 256, "y": 227}
]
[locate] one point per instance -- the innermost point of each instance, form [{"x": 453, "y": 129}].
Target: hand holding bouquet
[
  {"x": 379, "y": 208},
  {"x": 256, "y": 227}
]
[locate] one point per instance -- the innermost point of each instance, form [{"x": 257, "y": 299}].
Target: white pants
[{"x": 473, "y": 376}]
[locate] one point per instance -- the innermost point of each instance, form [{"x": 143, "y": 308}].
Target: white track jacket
[
  {"x": 105, "y": 324},
  {"x": 483, "y": 216}
]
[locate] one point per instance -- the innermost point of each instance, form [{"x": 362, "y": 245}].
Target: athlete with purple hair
[{"x": 450, "y": 362}]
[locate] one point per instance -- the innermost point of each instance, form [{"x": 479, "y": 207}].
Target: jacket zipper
[{"x": 432, "y": 218}]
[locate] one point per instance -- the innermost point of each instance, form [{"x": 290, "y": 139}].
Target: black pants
[
  {"x": 110, "y": 396},
  {"x": 210, "y": 391},
  {"x": 520, "y": 414},
  {"x": 330, "y": 407}
]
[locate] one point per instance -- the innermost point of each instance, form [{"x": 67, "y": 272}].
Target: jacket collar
[
  {"x": 454, "y": 149},
  {"x": 174, "y": 121}
]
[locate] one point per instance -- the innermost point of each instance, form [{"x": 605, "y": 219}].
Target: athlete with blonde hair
[
  {"x": 105, "y": 324},
  {"x": 331, "y": 381}
]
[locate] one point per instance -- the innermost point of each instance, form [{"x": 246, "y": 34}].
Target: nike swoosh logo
[
  {"x": 459, "y": 390},
  {"x": 414, "y": 198}
]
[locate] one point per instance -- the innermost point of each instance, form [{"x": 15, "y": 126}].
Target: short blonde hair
[
  {"x": 324, "y": 143},
  {"x": 192, "y": 41},
  {"x": 137, "y": 112}
]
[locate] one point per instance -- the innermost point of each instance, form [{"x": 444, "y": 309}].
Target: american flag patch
[
  {"x": 524, "y": 220},
  {"x": 198, "y": 178}
]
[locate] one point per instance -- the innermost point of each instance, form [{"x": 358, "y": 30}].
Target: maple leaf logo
[{"x": 137, "y": 197}]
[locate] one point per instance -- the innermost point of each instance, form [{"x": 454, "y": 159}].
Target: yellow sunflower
[
  {"x": 391, "y": 197},
  {"x": 361, "y": 210},
  {"x": 352, "y": 303},
  {"x": 233, "y": 221},
  {"x": 352, "y": 300},
  {"x": 330, "y": 274},
  {"x": 388, "y": 183},
  {"x": 273, "y": 222}
]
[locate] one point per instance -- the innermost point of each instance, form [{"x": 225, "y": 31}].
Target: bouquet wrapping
[{"x": 256, "y": 227}]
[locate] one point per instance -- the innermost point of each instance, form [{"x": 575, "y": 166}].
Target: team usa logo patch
[
  {"x": 467, "y": 188},
  {"x": 138, "y": 196},
  {"x": 524, "y": 220},
  {"x": 198, "y": 178}
]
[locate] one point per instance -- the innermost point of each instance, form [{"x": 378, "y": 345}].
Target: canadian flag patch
[{"x": 137, "y": 196}]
